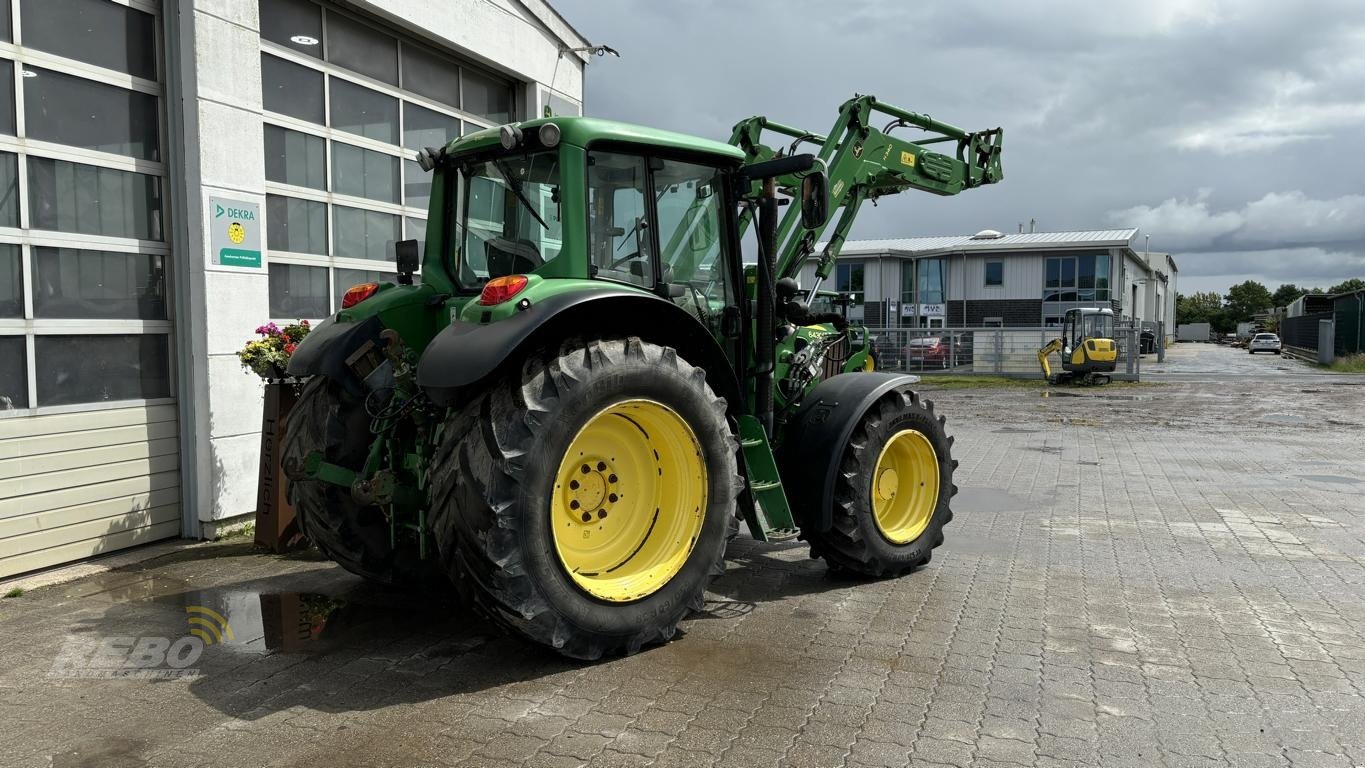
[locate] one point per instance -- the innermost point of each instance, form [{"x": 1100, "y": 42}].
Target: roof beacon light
[
  {"x": 510, "y": 136},
  {"x": 549, "y": 135}
]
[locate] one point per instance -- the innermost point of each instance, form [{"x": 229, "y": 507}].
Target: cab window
[
  {"x": 620, "y": 243},
  {"x": 691, "y": 231}
]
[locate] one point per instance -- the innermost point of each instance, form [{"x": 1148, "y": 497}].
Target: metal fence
[
  {"x": 992, "y": 351},
  {"x": 1300, "y": 334}
]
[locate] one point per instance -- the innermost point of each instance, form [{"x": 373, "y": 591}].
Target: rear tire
[
  {"x": 500, "y": 498},
  {"x": 356, "y": 537},
  {"x": 861, "y": 542}
]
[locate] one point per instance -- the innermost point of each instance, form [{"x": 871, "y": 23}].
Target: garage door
[{"x": 88, "y": 443}]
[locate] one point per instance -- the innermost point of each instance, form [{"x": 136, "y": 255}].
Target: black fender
[
  {"x": 816, "y": 437},
  {"x": 465, "y": 354},
  {"x": 326, "y": 348}
]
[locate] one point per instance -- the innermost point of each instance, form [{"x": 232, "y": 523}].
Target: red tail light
[
  {"x": 358, "y": 293},
  {"x": 500, "y": 289}
]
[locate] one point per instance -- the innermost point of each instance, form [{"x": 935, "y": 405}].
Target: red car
[{"x": 926, "y": 352}]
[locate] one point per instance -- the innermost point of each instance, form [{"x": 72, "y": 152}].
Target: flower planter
[{"x": 276, "y": 527}]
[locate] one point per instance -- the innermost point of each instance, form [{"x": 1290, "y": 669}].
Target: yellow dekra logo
[
  {"x": 236, "y": 232},
  {"x": 205, "y": 623}
]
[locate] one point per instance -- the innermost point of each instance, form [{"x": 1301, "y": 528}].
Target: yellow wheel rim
[
  {"x": 905, "y": 486},
  {"x": 629, "y": 500},
  {"x": 869, "y": 364}
]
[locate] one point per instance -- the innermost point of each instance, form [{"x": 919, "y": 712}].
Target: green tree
[
  {"x": 1347, "y": 286},
  {"x": 1197, "y": 308},
  {"x": 1246, "y": 299},
  {"x": 1286, "y": 293}
]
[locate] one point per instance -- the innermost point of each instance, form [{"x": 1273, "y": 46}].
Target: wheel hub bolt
[
  {"x": 601, "y": 466},
  {"x": 573, "y": 504},
  {"x": 586, "y": 469},
  {"x": 611, "y": 478},
  {"x": 601, "y": 514},
  {"x": 612, "y": 498},
  {"x": 573, "y": 485},
  {"x": 587, "y": 517}
]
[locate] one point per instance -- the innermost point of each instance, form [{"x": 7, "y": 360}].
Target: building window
[
  {"x": 923, "y": 281},
  {"x": 84, "y": 326},
  {"x": 1082, "y": 278},
  {"x": 346, "y": 105},
  {"x": 96, "y": 32},
  {"x": 848, "y": 278},
  {"x": 995, "y": 274}
]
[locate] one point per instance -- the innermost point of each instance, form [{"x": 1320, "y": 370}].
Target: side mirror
[
  {"x": 814, "y": 200},
  {"x": 407, "y": 256}
]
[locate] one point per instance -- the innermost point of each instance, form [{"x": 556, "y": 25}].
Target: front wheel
[
  {"x": 893, "y": 489},
  {"x": 584, "y": 502}
]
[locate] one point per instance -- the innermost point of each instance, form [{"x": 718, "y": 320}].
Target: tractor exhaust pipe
[{"x": 764, "y": 294}]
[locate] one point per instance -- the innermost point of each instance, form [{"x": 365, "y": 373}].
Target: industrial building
[
  {"x": 179, "y": 172},
  {"x": 989, "y": 278}
]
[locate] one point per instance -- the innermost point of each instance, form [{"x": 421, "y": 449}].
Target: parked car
[
  {"x": 926, "y": 352},
  {"x": 937, "y": 352},
  {"x": 1264, "y": 342}
]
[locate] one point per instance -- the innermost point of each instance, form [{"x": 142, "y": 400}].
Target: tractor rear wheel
[
  {"x": 893, "y": 487},
  {"x": 354, "y": 536},
  {"x": 584, "y": 501}
]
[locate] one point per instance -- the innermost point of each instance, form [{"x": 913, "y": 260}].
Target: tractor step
[{"x": 772, "y": 517}]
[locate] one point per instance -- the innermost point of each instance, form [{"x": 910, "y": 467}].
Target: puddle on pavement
[
  {"x": 1044, "y": 448},
  {"x": 1332, "y": 479},
  {"x": 240, "y": 619},
  {"x": 1282, "y": 418},
  {"x": 1016, "y": 431},
  {"x": 1060, "y": 393}
]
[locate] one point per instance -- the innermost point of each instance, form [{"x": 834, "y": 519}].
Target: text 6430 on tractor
[{"x": 592, "y": 384}]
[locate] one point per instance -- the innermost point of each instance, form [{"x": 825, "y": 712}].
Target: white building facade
[
  {"x": 179, "y": 172},
  {"x": 1026, "y": 280}
]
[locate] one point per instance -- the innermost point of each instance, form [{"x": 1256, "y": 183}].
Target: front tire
[
  {"x": 584, "y": 501},
  {"x": 891, "y": 500}
]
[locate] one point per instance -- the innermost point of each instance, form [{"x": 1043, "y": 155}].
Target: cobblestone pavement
[{"x": 1136, "y": 576}]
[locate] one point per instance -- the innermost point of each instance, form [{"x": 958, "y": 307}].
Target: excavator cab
[{"x": 1087, "y": 348}]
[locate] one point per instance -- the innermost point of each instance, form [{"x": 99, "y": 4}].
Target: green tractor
[{"x": 591, "y": 385}]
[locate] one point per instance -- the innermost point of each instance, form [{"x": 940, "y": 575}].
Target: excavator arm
[
  {"x": 1046, "y": 351},
  {"x": 864, "y": 163}
]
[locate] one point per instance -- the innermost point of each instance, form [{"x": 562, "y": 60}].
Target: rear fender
[
  {"x": 465, "y": 354},
  {"x": 816, "y": 437},
  {"x": 326, "y": 348}
]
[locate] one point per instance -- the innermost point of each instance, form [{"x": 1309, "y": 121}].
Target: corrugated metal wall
[{"x": 74, "y": 485}]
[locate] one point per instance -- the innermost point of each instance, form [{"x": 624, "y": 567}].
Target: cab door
[{"x": 698, "y": 267}]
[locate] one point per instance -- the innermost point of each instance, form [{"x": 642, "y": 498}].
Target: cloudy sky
[{"x": 1231, "y": 132}]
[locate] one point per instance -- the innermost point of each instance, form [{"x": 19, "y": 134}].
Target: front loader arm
[{"x": 864, "y": 163}]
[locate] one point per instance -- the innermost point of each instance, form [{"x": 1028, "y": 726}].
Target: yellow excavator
[{"x": 1087, "y": 348}]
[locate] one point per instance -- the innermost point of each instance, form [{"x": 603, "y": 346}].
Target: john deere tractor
[{"x": 607, "y": 364}]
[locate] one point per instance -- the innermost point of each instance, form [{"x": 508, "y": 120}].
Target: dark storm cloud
[{"x": 1231, "y": 129}]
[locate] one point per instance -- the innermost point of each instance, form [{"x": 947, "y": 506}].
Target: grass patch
[
  {"x": 16, "y": 592},
  {"x": 980, "y": 382},
  {"x": 1007, "y": 382},
  {"x": 1349, "y": 364},
  {"x": 237, "y": 533}
]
